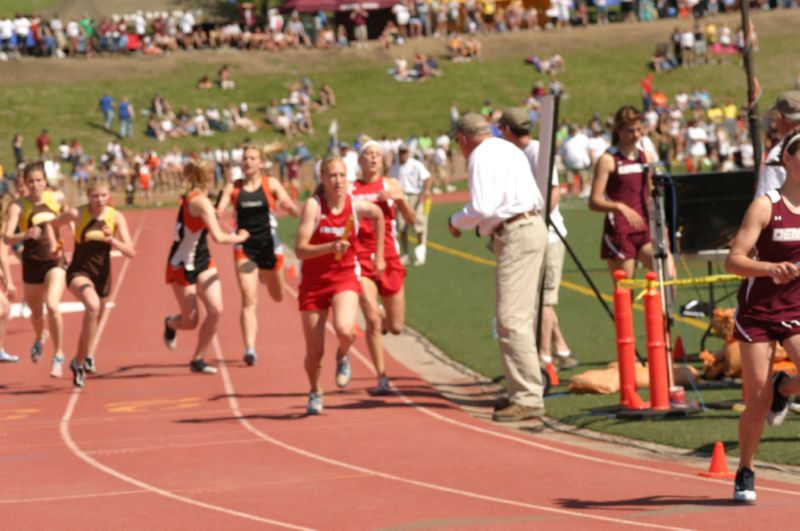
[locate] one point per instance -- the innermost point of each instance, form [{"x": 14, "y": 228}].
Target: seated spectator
[
  {"x": 204, "y": 83},
  {"x": 388, "y": 36},
  {"x": 201, "y": 123},
  {"x": 341, "y": 36},
  {"x": 326, "y": 38},
  {"x": 224, "y": 78},
  {"x": 154, "y": 129},
  {"x": 327, "y": 98}
]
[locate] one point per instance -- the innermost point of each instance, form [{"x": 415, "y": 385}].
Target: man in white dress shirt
[
  {"x": 506, "y": 205},
  {"x": 515, "y": 124},
  {"x": 772, "y": 174},
  {"x": 415, "y": 180}
]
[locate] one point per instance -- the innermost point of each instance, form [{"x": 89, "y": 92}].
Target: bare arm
[
  {"x": 303, "y": 247},
  {"x": 11, "y": 289},
  {"x": 122, "y": 239},
  {"x": 282, "y": 198},
  {"x": 373, "y": 212},
  {"x": 397, "y": 194},
  {"x": 224, "y": 198},
  {"x": 68, "y": 215},
  {"x": 11, "y": 236},
  {"x": 201, "y": 206},
  {"x": 739, "y": 260}
]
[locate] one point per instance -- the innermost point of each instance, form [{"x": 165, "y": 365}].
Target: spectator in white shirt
[
  {"x": 506, "y": 205},
  {"x": 575, "y": 154},
  {"x": 415, "y": 181},
  {"x": 773, "y": 174},
  {"x": 515, "y": 124},
  {"x": 350, "y": 158}
]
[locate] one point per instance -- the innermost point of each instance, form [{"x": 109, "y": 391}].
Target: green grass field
[{"x": 450, "y": 299}]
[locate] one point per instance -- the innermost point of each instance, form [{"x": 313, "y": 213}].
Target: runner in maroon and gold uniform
[
  {"x": 767, "y": 251},
  {"x": 99, "y": 228},
  {"x": 329, "y": 272},
  {"x": 43, "y": 266},
  {"x": 386, "y": 194},
  {"x": 190, "y": 269}
]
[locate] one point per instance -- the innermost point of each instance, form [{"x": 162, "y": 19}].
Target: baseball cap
[
  {"x": 472, "y": 123},
  {"x": 516, "y": 118},
  {"x": 788, "y": 104}
]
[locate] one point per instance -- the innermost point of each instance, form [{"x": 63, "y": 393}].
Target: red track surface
[{"x": 149, "y": 445}]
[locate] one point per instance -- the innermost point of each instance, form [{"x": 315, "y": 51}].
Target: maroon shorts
[
  {"x": 391, "y": 282},
  {"x": 317, "y": 296},
  {"x": 622, "y": 246},
  {"x": 754, "y": 330}
]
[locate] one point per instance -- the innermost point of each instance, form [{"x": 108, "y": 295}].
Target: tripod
[{"x": 660, "y": 239}]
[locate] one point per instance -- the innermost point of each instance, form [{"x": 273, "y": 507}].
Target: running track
[{"x": 147, "y": 445}]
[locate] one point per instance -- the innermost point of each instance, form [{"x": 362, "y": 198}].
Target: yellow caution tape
[{"x": 641, "y": 283}]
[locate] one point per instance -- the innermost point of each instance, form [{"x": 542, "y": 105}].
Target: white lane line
[
  {"x": 529, "y": 442},
  {"x": 74, "y": 496},
  {"x": 234, "y": 405},
  {"x": 75, "y": 449}
]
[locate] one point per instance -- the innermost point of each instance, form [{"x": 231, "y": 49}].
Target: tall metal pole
[{"x": 752, "y": 86}]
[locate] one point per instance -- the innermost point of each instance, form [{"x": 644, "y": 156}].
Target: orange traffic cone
[
  {"x": 719, "y": 464},
  {"x": 291, "y": 271},
  {"x": 552, "y": 374},
  {"x": 679, "y": 353}
]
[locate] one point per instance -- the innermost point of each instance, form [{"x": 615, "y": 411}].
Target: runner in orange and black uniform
[
  {"x": 190, "y": 269},
  {"x": 43, "y": 268},
  {"x": 329, "y": 272},
  {"x": 387, "y": 194},
  {"x": 99, "y": 228},
  {"x": 260, "y": 257}
]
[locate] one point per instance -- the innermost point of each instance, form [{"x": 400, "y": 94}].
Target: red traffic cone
[
  {"x": 719, "y": 464},
  {"x": 631, "y": 399},
  {"x": 552, "y": 374},
  {"x": 679, "y": 352}
]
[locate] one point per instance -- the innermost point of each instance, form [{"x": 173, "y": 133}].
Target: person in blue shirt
[
  {"x": 107, "y": 108},
  {"x": 126, "y": 114}
]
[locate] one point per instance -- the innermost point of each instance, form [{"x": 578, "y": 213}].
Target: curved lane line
[
  {"x": 75, "y": 449},
  {"x": 234, "y": 405}
]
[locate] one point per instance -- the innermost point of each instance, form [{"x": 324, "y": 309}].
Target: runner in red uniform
[
  {"x": 190, "y": 268},
  {"x": 386, "y": 194},
  {"x": 621, "y": 188},
  {"x": 261, "y": 256},
  {"x": 329, "y": 273},
  {"x": 769, "y": 309}
]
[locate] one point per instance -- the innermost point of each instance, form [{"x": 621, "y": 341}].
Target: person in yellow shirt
[
  {"x": 715, "y": 114},
  {"x": 730, "y": 110}
]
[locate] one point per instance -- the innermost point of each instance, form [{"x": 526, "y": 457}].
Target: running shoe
[
  {"x": 78, "y": 373},
  {"x": 36, "y": 351},
  {"x": 201, "y": 366},
  {"x": 5, "y": 357},
  {"x": 57, "y": 369},
  {"x": 314, "y": 404},
  {"x": 170, "y": 335},
  {"x": 744, "y": 490},
  {"x": 383, "y": 388},
  {"x": 89, "y": 365},
  {"x": 343, "y": 371},
  {"x": 565, "y": 361},
  {"x": 250, "y": 356},
  {"x": 780, "y": 404}
]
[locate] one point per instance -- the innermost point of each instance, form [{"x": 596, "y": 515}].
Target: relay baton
[{"x": 348, "y": 229}]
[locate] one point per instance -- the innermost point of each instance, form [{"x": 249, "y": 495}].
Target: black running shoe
[
  {"x": 78, "y": 374},
  {"x": 780, "y": 403},
  {"x": 250, "y": 357},
  {"x": 201, "y": 366},
  {"x": 170, "y": 335},
  {"x": 89, "y": 365},
  {"x": 744, "y": 490}
]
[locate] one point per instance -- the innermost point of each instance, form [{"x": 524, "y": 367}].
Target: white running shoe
[{"x": 57, "y": 368}]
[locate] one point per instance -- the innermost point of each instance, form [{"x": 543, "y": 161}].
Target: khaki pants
[
  {"x": 418, "y": 206},
  {"x": 520, "y": 249}
]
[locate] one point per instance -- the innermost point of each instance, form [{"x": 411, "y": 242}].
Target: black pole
[{"x": 752, "y": 90}]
